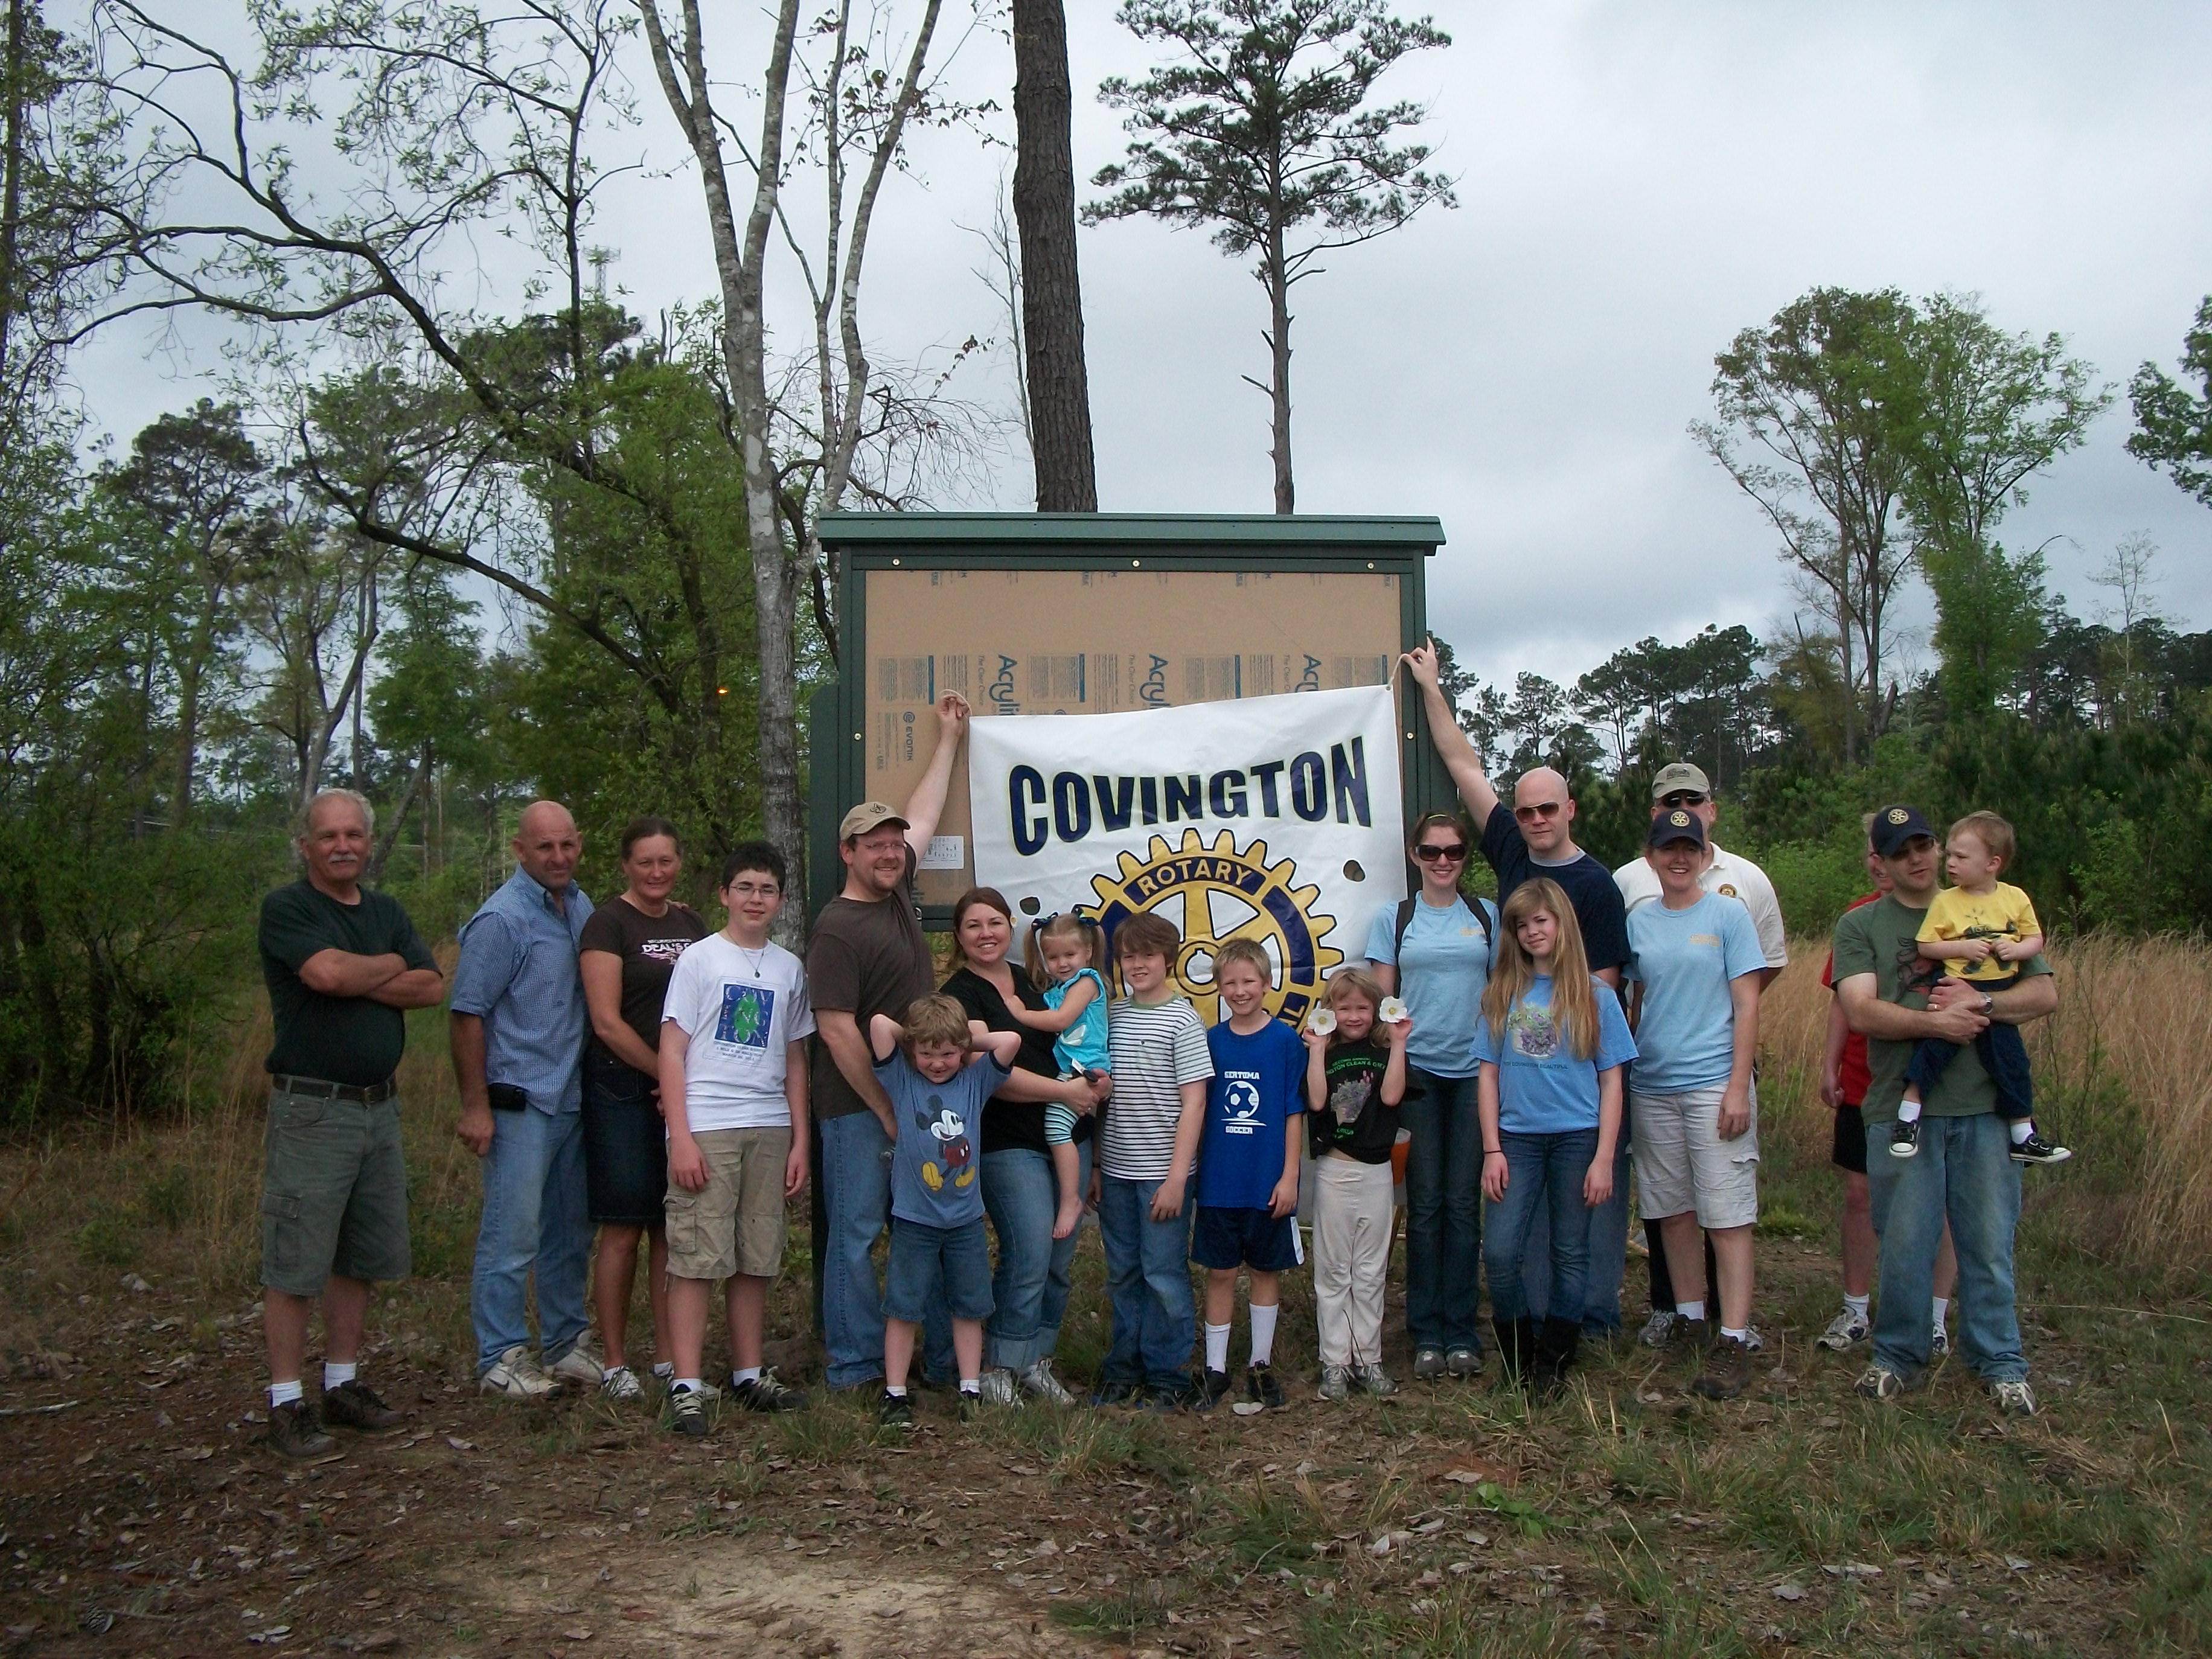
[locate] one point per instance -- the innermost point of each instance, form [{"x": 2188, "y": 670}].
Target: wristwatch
[{"x": 1988, "y": 1004}]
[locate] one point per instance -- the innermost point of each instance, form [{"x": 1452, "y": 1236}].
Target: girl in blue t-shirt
[
  {"x": 1552, "y": 1042},
  {"x": 1065, "y": 952}
]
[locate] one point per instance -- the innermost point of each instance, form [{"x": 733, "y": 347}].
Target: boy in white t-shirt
[{"x": 734, "y": 1091}]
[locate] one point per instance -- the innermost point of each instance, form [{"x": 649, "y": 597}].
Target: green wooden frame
[{"x": 864, "y": 542}]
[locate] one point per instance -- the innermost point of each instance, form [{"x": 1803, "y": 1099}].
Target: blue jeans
[
  {"x": 1964, "y": 1170},
  {"x": 1443, "y": 1211},
  {"x": 1543, "y": 1177},
  {"x": 1148, "y": 1281},
  {"x": 1609, "y": 1256},
  {"x": 856, "y": 1191},
  {"x": 1031, "y": 1287},
  {"x": 534, "y": 1217}
]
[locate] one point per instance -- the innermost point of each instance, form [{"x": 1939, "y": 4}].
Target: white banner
[{"x": 1276, "y": 819}]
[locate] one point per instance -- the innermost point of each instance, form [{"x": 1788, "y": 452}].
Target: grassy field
[{"x": 1627, "y": 1517}]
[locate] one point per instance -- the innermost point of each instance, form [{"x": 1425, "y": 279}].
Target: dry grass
[{"x": 2124, "y": 1074}]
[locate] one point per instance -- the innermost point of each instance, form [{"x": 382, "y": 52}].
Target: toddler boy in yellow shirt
[{"x": 1977, "y": 930}]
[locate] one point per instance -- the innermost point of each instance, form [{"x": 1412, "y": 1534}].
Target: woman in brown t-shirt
[{"x": 626, "y": 951}]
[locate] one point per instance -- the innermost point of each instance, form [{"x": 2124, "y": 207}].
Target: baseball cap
[
  {"x": 1893, "y": 826},
  {"x": 1680, "y": 775},
  {"x": 1679, "y": 824},
  {"x": 869, "y": 814}
]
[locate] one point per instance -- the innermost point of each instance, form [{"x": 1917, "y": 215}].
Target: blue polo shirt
[{"x": 518, "y": 974}]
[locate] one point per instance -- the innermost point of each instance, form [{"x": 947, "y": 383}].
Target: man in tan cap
[
  {"x": 1683, "y": 785},
  {"x": 868, "y": 956}
]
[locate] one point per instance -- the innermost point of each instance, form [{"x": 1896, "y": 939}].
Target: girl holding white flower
[{"x": 1355, "y": 1081}]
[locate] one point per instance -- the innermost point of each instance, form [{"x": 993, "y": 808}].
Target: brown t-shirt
[
  {"x": 648, "y": 947},
  {"x": 863, "y": 959}
]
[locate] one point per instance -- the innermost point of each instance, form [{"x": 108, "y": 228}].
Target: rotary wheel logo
[{"x": 1217, "y": 893}]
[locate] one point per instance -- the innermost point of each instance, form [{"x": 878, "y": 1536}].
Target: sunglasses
[
  {"x": 1542, "y": 808},
  {"x": 1430, "y": 853},
  {"x": 1682, "y": 797}
]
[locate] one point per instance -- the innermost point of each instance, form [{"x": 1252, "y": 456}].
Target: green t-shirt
[
  {"x": 1883, "y": 938},
  {"x": 349, "y": 1040}
]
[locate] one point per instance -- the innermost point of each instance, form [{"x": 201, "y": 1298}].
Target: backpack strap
[{"x": 1405, "y": 920}]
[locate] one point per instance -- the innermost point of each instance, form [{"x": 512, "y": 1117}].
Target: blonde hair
[
  {"x": 1250, "y": 952},
  {"x": 1352, "y": 981},
  {"x": 934, "y": 1019},
  {"x": 1064, "y": 924},
  {"x": 1574, "y": 1001},
  {"x": 1994, "y": 833}
]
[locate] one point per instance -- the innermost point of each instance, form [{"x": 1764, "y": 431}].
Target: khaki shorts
[
  {"x": 1682, "y": 1164},
  {"x": 333, "y": 1192},
  {"x": 734, "y": 1224}
]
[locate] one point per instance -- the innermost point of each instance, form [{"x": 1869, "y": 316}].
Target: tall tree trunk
[
  {"x": 11, "y": 180},
  {"x": 1278, "y": 346},
  {"x": 1052, "y": 290},
  {"x": 390, "y": 838}
]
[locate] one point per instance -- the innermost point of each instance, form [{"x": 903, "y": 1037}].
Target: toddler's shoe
[
  {"x": 2036, "y": 1150},
  {"x": 1904, "y": 1138}
]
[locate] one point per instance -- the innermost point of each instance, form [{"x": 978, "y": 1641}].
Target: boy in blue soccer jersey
[{"x": 1248, "y": 1170}]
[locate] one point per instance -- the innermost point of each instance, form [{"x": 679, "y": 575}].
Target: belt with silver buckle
[{"x": 315, "y": 1088}]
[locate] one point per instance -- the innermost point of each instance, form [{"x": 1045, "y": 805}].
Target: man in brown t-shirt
[{"x": 867, "y": 956}]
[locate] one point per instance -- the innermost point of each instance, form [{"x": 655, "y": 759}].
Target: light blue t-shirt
[
  {"x": 1082, "y": 1047},
  {"x": 1441, "y": 980},
  {"x": 1686, "y": 1034},
  {"x": 1542, "y": 1088}
]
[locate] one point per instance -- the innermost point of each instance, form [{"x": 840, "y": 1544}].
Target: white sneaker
[
  {"x": 2013, "y": 1398},
  {"x": 1844, "y": 1331},
  {"x": 1659, "y": 1330},
  {"x": 1939, "y": 1344},
  {"x": 578, "y": 1366},
  {"x": 516, "y": 1376},
  {"x": 998, "y": 1386},
  {"x": 622, "y": 1383},
  {"x": 1336, "y": 1382},
  {"x": 1039, "y": 1380}
]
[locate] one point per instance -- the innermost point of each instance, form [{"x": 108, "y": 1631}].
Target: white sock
[
  {"x": 1263, "y": 1334},
  {"x": 336, "y": 1373},
  {"x": 895, "y": 1392},
  {"x": 1943, "y": 1305},
  {"x": 1743, "y": 1335},
  {"x": 1689, "y": 1310},
  {"x": 1216, "y": 1347},
  {"x": 2021, "y": 1129},
  {"x": 284, "y": 1394},
  {"x": 664, "y": 1370},
  {"x": 1908, "y": 1111},
  {"x": 690, "y": 1382},
  {"x": 1856, "y": 1305},
  {"x": 748, "y": 1374},
  {"x": 971, "y": 1385}
]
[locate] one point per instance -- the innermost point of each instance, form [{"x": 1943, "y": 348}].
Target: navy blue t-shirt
[
  {"x": 1588, "y": 884},
  {"x": 1257, "y": 1088}
]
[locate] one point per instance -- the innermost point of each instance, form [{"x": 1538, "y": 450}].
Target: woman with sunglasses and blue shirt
[{"x": 1433, "y": 951}]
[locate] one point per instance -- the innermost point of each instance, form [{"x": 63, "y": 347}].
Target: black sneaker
[
  {"x": 294, "y": 1433},
  {"x": 355, "y": 1405},
  {"x": 1168, "y": 1397},
  {"x": 765, "y": 1393},
  {"x": 2036, "y": 1150},
  {"x": 1904, "y": 1138},
  {"x": 1118, "y": 1391},
  {"x": 971, "y": 1403},
  {"x": 687, "y": 1412},
  {"x": 894, "y": 1410},
  {"x": 1212, "y": 1388},
  {"x": 1260, "y": 1384}
]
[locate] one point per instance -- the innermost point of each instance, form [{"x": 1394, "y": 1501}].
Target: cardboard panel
[{"x": 1097, "y": 642}]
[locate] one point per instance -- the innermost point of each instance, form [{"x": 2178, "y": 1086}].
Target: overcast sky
[{"x": 1637, "y": 182}]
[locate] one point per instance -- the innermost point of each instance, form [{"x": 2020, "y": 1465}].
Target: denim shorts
[
  {"x": 926, "y": 1261},
  {"x": 625, "y": 1145},
  {"x": 1226, "y": 1239}
]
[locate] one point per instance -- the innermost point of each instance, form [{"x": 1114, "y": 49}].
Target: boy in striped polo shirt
[{"x": 1148, "y": 1142}]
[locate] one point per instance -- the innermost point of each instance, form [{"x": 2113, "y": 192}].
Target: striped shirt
[{"x": 1156, "y": 1050}]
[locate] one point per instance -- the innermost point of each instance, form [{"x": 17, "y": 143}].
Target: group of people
[{"x": 627, "y": 1069}]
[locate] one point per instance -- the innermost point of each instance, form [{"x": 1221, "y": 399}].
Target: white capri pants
[{"x": 1351, "y": 1258}]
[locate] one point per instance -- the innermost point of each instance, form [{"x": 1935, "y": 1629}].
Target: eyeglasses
[
  {"x": 1430, "y": 853},
  {"x": 1683, "y": 798},
  {"x": 1542, "y": 808}
]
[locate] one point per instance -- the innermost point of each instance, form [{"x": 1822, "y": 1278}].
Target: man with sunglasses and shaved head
[{"x": 1535, "y": 836}]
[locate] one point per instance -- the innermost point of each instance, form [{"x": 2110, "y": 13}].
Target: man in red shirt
[{"x": 1844, "y": 1080}]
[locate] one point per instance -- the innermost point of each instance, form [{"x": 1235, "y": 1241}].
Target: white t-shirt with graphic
[{"x": 742, "y": 1009}]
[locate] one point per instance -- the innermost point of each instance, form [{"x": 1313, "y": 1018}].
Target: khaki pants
[{"x": 1351, "y": 1259}]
